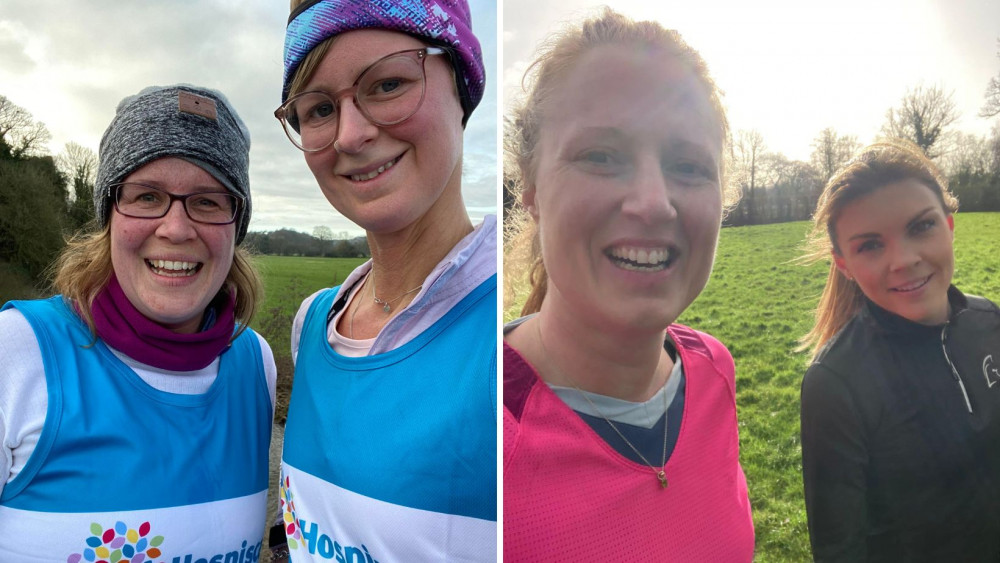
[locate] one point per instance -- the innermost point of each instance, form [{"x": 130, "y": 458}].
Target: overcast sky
[
  {"x": 69, "y": 64},
  {"x": 792, "y": 68}
]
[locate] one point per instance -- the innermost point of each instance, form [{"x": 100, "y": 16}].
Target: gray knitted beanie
[{"x": 190, "y": 122}]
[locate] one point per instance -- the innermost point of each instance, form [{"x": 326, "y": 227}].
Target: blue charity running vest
[
  {"x": 392, "y": 457},
  {"x": 124, "y": 472}
]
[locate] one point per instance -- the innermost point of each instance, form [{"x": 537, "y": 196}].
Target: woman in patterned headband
[{"x": 390, "y": 444}]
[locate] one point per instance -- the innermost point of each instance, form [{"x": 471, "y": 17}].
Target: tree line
[
  {"x": 774, "y": 188},
  {"x": 44, "y": 199},
  {"x": 286, "y": 242}
]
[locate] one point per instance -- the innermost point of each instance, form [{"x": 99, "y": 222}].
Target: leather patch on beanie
[{"x": 196, "y": 105}]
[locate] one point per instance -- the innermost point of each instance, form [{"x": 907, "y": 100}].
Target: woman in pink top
[{"x": 620, "y": 431}]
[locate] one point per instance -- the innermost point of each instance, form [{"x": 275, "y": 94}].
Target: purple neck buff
[{"x": 121, "y": 326}]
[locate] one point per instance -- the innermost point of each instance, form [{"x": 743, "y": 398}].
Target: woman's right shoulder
[
  {"x": 15, "y": 331},
  {"x": 300, "y": 316},
  {"x": 21, "y": 360},
  {"x": 852, "y": 340},
  {"x": 519, "y": 378},
  {"x": 308, "y": 301},
  {"x": 840, "y": 364}
]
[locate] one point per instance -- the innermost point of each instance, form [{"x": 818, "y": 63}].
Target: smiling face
[
  {"x": 896, "y": 243},
  {"x": 387, "y": 178},
  {"x": 171, "y": 268},
  {"x": 625, "y": 188}
]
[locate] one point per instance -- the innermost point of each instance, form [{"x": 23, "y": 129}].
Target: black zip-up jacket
[{"x": 901, "y": 438}]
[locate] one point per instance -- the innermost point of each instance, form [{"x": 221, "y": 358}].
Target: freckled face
[
  {"x": 626, "y": 190},
  {"x": 896, "y": 243},
  {"x": 420, "y": 158},
  {"x": 172, "y": 267}
]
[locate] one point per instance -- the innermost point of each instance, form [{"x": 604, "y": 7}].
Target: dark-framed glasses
[
  {"x": 148, "y": 202},
  {"x": 388, "y": 92}
]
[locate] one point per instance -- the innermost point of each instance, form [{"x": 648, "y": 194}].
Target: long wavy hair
[
  {"x": 84, "y": 268},
  {"x": 877, "y": 165}
]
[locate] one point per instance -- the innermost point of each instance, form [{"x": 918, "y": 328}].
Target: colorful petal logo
[
  {"x": 288, "y": 509},
  {"x": 119, "y": 544}
]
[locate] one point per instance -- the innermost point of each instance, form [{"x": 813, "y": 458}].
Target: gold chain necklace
[
  {"x": 386, "y": 304},
  {"x": 661, "y": 474}
]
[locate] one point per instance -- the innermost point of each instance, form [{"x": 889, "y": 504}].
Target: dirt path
[{"x": 274, "y": 469}]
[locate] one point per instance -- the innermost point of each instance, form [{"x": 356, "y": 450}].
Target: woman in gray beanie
[
  {"x": 135, "y": 411},
  {"x": 390, "y": 443}
]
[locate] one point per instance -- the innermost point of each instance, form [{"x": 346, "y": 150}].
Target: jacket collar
[{"x": 891, "y": 323}]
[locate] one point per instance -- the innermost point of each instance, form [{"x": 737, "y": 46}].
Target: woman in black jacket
[{"x": 900, "y": 406}]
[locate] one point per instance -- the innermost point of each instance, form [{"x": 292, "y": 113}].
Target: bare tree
[
  {"x": 991, "y": 107},
  {"x": 322, "y": 232},
  {"x": 831, "y": 151},
  {"x": 20, "y": 135},
  {"x": 79, "y": 165},
  {"x": 771, "y": 167},
  {"x": 78, "y": 162},
  {"x": 790, "y": 188},
  {"x": 994, "y": 144},
  {"x": 769, "y": 204},
  {"x": 748, "y": 150},
  {"x": 801, "y": 179},
  {"x": 922, "y": 117},
  {"x": 969, "y": 155}
]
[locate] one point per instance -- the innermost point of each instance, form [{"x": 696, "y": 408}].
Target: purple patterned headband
[{"x": 446, "y": 23}]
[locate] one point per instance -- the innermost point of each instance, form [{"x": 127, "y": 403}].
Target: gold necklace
[
  {"x": 661, "y": 474},
  {"x": 386, "y": 304}
]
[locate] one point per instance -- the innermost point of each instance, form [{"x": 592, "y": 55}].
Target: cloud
[
  {"x": 13, "y": 43},
  {"x": 71, "y": 66}
]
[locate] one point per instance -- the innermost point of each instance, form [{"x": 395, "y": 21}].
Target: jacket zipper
[{"x": 954, "y": 371}]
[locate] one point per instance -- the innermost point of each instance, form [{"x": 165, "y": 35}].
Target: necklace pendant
[
  {"x": 662, "y": 476},
  {"x": 386, "y": 308}
]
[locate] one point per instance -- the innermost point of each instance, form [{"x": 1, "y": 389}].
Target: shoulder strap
[
  {"x": 981, "y": 304},
  {"x": 341, "y": 302}
]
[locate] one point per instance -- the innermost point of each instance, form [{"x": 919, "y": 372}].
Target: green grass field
[
  {"x": 287, "y": 281},
  {"x": 758, "y": 303}
]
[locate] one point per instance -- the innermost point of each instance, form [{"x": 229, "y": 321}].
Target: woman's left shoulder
[
  {"x": 270, "y": 368},
  {"x": 704, "y": 357},
  {"x": 265, "y": 347},
  {"x": 698, "y": 342},
  {"x": 977, "y": 303}
]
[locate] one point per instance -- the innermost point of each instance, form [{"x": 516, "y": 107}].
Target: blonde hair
[
  {"x": 84, "y": 268},
  {"x": 557, "y": 57},
  {"x": 875, "y": 166}
]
